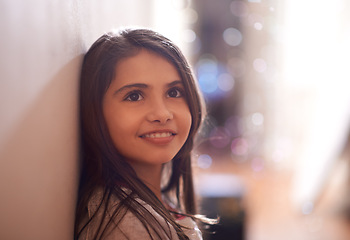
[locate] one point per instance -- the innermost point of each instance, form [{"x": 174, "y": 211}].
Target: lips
[{"x": 159, "y": 137}]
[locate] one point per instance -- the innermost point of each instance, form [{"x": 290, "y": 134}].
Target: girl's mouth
[
  {"x": 159, "y": 138},
  {"x": 158, "y": 135}
]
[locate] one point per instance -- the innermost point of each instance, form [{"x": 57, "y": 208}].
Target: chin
[
  {"x": 162, "y": 160},
  {"x": 152, "y": 160}
]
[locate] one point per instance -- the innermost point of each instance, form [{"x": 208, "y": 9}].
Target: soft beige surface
[{"x": 42, "y": 45}]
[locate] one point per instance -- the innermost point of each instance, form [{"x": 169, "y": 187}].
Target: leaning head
[{"x": 99, "y": 69}]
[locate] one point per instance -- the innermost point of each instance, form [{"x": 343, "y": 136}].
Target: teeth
[{"x": 158, "y": 135}]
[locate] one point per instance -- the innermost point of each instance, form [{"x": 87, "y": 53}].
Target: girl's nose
[{"x": 159, "y": 112}]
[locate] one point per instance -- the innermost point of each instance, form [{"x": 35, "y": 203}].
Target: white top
[{"x": 130, "y": 227}]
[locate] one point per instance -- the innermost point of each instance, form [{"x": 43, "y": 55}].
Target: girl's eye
[
  {"x": 174, "y": 93},
  {"x": 134, "y": 96}
]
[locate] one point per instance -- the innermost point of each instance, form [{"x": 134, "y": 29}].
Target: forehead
[{"x": 145, "y": 66}]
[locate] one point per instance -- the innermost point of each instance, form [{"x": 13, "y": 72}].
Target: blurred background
[{"x": 272, "y": 158}]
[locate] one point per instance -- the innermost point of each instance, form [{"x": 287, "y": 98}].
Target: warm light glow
[{"x": 316, "y": 53}]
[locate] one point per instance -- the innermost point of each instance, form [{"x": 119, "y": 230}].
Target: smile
[
  {"x": 159, "y": 138},
  {"x": 158, "y": 135}
]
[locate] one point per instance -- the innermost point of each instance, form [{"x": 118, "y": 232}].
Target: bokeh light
[
  {"x": 204, "y": 161},
  {"x": 207, "y": 82},
  {"x": 239, "y": 146},
  {"x": 207, "y": 69},
  {"x": 260, "y": 65},
  {"x": 232, "y": 36},
  {"x": 188, "y": 35},
  {"x": 258, "y": 26},
  {"x": 226, "y": 82},
  {"x": 191, "y": 16},
  {"x": 213, "y": 77},
  {"x": 254, "y": 18},
  {"x": 257, "y": 119},
  {"x": 220, "y": 137}
]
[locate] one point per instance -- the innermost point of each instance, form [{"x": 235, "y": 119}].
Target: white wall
[{"x": 41, "y": 48}]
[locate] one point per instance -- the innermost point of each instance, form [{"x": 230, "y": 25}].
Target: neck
[{"x": 151, "y": 176}]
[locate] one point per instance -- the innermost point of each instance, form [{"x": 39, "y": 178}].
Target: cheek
[
  {"x": 116, "y": 123},
  {"x": 121, "y": 125},
  {"x": 122, "y": 132},
  {"x": 186, "y": 120}
]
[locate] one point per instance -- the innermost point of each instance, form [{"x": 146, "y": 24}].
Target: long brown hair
[{"x": 102, "y": 164}]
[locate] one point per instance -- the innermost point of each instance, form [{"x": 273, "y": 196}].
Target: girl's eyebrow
[
  {"x": 174, "y": 83},
  {"x": 143, "y": 85},
  {"x": 134, "y": 85}
]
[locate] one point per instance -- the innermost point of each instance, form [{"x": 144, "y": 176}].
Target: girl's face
[{"x": 146, "y": 111}]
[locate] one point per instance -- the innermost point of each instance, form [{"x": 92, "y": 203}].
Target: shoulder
[
  {"x": 190, "y": 228},
  {"x": 120, "y": 222},
  {"x": 188, "y": 225}
]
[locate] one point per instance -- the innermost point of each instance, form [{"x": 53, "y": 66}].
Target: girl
[{"x": 140, "y": 111}]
